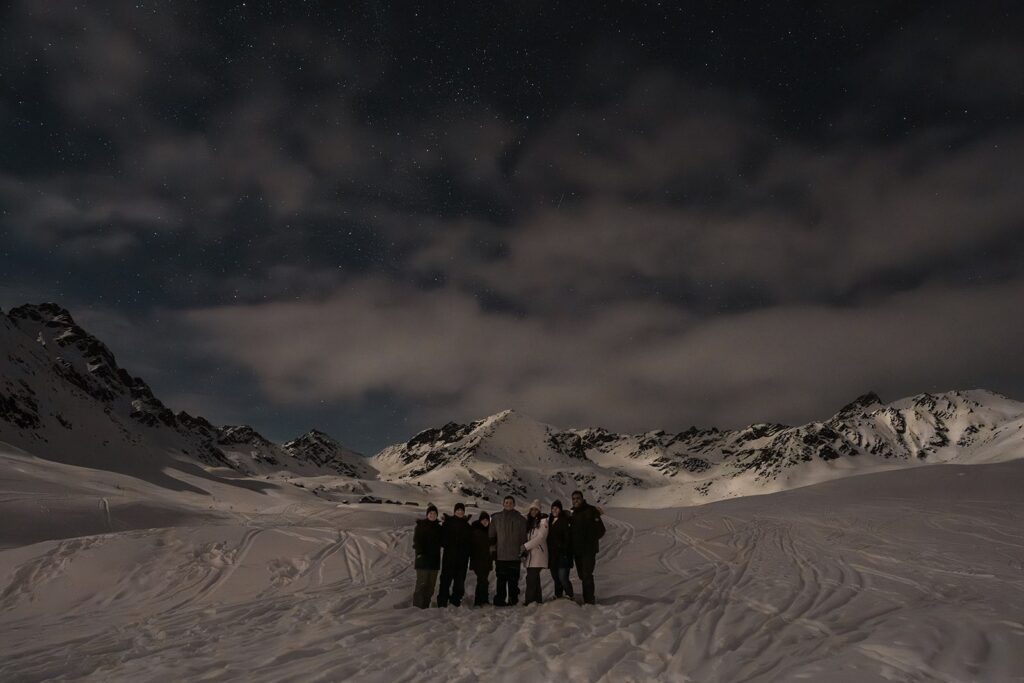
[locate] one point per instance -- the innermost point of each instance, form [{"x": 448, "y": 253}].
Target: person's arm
[
  {"x": 598, "y": 526},
  {"x": 417, "y": 540}
]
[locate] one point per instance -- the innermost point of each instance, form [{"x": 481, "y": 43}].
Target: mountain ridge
[
  {"x": 59, "y": 378},
  {"x": 65, "y": 397}
]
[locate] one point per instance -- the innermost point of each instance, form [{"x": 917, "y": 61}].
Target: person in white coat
[{"x": 535, "y": 551}]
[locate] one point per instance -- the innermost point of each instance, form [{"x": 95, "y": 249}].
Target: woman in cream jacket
[{"x": 535, "y": 551}]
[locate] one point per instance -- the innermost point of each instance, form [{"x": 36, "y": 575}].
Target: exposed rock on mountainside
[{"x": 64, "y": 397}]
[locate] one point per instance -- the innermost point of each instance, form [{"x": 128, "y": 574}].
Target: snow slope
[{"x": 907, "y": 575}]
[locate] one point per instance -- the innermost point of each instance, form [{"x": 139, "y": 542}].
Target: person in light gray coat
[
  {"x": 536, "y": 551},
  {"x": 508, "y": 533}
]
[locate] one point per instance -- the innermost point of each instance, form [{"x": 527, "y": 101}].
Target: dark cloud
[
  {"x": 973, "y": 60},
  {"x": 642, "y": 216},
  {"x": 630, "y": 366},
  {"x": 664, "y": 138}
]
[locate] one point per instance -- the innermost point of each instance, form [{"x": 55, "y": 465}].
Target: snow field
[{"x": 904, "y": 575}]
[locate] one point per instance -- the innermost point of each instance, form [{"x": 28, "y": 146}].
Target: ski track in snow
[{"x": 839, "y": 583}]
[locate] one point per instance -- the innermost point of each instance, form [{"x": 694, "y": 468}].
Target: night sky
[{"x": 377, "y": 218}]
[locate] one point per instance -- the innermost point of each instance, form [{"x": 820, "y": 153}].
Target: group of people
[{"x": 505, "y": 541}]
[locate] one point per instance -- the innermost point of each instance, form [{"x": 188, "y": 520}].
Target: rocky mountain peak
[
  {"x": 49, "y": 322},
  {"x": 861, "y": 403},
  {"x": 321, "y": 449},
  {"x": 241, "y": 435},
  {"x": 438, "y": 436},
  {"x": 86, "y": 362}
]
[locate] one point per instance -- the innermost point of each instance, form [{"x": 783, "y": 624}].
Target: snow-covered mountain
[
  {"x": 506, "y": 453},
  {"x": 317, "y": 449},
  {"x": 511, "y": 453},
  {"x": 64, "y": 397}
]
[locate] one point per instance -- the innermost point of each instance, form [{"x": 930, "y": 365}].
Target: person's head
[
  {"x": 577, "y": 499},
  {"x": 534, "y": 510},
  {"x": 460, "y": 510},
  {"x": 485, "y": 519},
  {"x": 509, "y": 503},
  {"x": 556, "y": 508},
  {"x": 432, "y": 512}
]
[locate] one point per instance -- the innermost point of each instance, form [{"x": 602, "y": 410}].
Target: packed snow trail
[{"x": 907, "y": 575}]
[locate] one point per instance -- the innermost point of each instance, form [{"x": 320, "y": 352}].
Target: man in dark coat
[
  {"x": 508, "y": 532},
  {"x": 584, "y": 531},
  {"x": 560, "y": 550},
  {"x": 456, "y": 540},
  {"x": 426, "y": 543},
  {"x": 480, "y": 560}
]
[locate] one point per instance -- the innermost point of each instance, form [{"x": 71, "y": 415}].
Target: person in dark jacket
[
  {"x": 456, "y": 540},
  {"x": 426, "y": 543},
  {"x": 584, "y": 531},
  {"x": 560, "y": 550},
  {"x": 508, "y": 533},
  {"x": 480, "y": 560}
]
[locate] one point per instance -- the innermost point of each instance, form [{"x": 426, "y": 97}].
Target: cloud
[
  {"x": 101, "y": 67},
  {"x": 963, "y": 59},
  {"x": 634, "y": 236},
  {"x": 632, "y": 367},
  {"x": 809, "y": 225},
  {"x": 98, "y": 222},
  {"x": 662, "y": 136}
]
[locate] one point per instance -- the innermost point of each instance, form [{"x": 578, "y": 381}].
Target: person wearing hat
[
  {"x": 508, "y": 534},
  {"x": 480, "y": 560},
  {"x": 426, "y": 543},
  {"x": 536, "y": 549},
  {"x": 560, "y": 550},
  {"x": 456, "y": 540}
]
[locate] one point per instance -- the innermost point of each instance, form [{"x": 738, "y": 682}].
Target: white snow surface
[{"x": 907, "y": 575}]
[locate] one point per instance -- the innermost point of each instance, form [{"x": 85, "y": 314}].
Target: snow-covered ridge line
[
  {"x": 63, "y": 397},
  {"x": 509, "y": 453}
]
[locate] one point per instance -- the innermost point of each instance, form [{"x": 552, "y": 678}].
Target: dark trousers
[
  {"x": 507, "y": 592},
  {"x": 426, "y": 579},
  {"x": 481, "y": 596},
  {"x": 533, "y": 586},
  {"x": 585, "y": 568},
  {"x": 453, "y": 584},
  {"x": 560, "y": 577}
]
